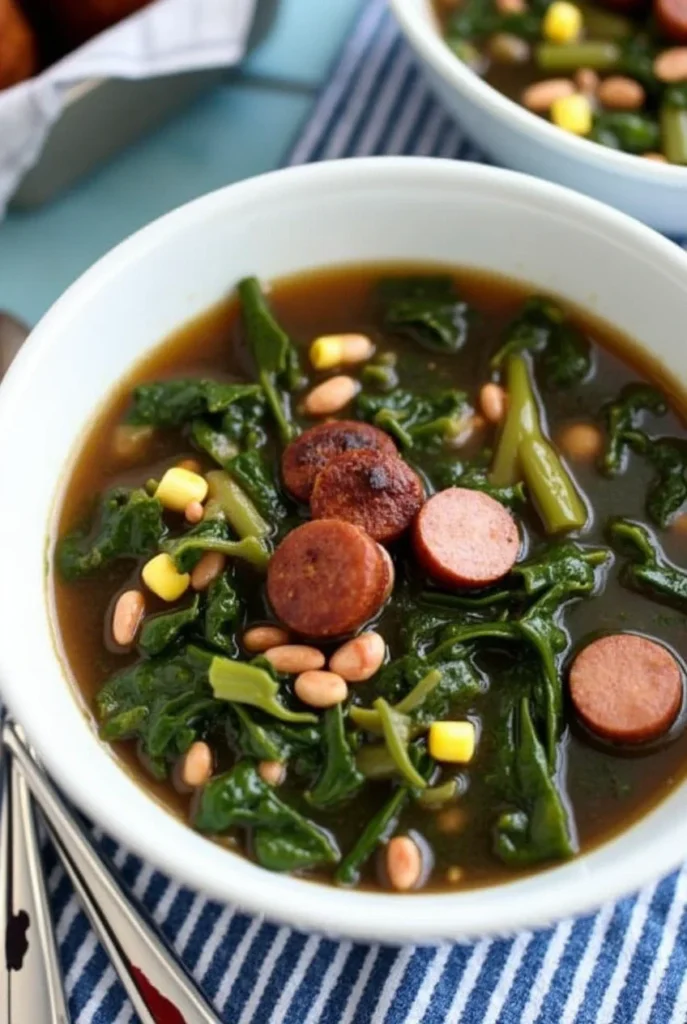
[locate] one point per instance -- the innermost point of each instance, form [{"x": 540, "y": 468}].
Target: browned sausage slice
[
  {"x": 671, "y": 16},
  {"x": 315, "y": 448},
  {"x": 465, "y": 538},
  {"x": 626, "y": 688},
  {"x": 326, "y": 579},
  {"x": 373, "y": 490}
]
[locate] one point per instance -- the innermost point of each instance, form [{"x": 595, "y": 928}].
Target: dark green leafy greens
[
  {"x": 161, "y": 631},
  {"x": 255, "y": 734},
  {"x": 538, "y": 830},
  {"x": 561, "y": 352},
  {"x": 340, "y": 778},
  {"x": 223, "y": 611},
  {"x": 171, "y": 403},
  {"x": 426, "y": 309},
  {"x": 251, "y": 470},
  {"x": 476, "y": 478},
  {"x": 128, "y": 524},
  {"x": 417, "y": 421},
  {"x": 164, "y": 703},
  {"x": 275, "y": 356},
  {"x": 648, "y": 571},
  {"x": 623, "y": 418},
  {"x": 380, "y": 827},
  {"x": 282, "y": 839}
]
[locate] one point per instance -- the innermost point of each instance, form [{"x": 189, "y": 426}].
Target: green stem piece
[
  {"x": 239, "y": 683},
  {"x": 236, "y": 505}
]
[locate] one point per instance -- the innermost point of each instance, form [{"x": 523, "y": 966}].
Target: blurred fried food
[
  {"x": 78, "y": 20},
  {"x": 18, "y": 49}
]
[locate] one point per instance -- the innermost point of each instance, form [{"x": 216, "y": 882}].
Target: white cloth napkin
[{"x": 169, "y": 36}]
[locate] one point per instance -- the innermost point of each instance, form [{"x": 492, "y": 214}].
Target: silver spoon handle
[
  {"x": 147, "y": 962},
  {"x": 31, "y": 982}
]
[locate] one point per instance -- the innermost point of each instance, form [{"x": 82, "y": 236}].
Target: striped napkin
[{"x": 626, "y": 964}]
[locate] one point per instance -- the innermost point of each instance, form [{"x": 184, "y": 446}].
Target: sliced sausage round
[
  {"x": 315, "y": 448},
  {"x": 371, "y": 489},
  {"x": 626, "y": 688},
  {"x": 465, "y": 538},
  {"x": 326, "y": 579},
  {"x": 671, "y": 16}
]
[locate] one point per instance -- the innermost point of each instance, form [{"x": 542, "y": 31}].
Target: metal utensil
[
  {"x": 31, "y": 986},
  {"x": 158, "y": 985}
]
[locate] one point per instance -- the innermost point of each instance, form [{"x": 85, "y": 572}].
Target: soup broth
[{"x": 472, "y": 820}]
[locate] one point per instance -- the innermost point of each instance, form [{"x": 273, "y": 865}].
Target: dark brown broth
[{"x": 607, "y": 790}]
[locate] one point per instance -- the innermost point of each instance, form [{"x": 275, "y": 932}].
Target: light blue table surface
[{"x": 242, "y": 128}]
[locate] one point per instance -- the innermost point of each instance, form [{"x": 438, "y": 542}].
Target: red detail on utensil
[{"x": 162, "y": 1010}]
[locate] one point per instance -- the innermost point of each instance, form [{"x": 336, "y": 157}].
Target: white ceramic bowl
[
  {"x": 653, "y": 192},
  {"x": 332, "y": 213}
]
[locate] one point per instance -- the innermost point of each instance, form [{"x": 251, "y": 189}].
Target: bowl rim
[
  {"x": 201, "y": 864},
  {"x": 434, "y": 50}
]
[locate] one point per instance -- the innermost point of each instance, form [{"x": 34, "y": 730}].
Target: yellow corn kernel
[
  {"x": 340, "y": 349},
  {"x": 162, "y": 577},
  {"x": 573, "y": 114},
  {"x": 179, "y": 487},
  {"x": 452, "y": 741},
  {"x": 562, "y": 22},
  {"x": 326, "y": 352}
]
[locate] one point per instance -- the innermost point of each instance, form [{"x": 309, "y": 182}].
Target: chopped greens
[
  {"x": 172, "y": 403},
  {"x": 274, "y": 355},
  {"x": 417, "y": 421},
  {"x": 623, "y": 417},
  {"x": 129, "y": 524},
  {"x": 283, "y": 839},
  {"x": 648, "y": 569},
  {"x": 340, "y": 778},
  {"x": 427, "y": 309}
]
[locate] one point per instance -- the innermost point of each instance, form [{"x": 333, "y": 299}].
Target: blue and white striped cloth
[{"x": 627, "y": 964}]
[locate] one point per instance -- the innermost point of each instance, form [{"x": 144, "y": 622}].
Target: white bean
[
  {"x": 331, "y": 396},
  {"x": 127, "y": 617},
  {"x": 207, "y": 570},
  {"x": 197, "y": 765},
  {"x": 258, "y": 639},
  {"x": 360, "y": 658},
  {"x": 294, "y": 658},
  {"x": 403, "y": 863},
  {"x": 272, "y": 772},
  {"x": 320, "y": 689}
]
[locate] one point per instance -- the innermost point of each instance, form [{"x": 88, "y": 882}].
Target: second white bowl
[{"x": 653, "y": 192}]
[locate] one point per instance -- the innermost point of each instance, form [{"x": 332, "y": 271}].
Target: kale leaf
[
  {"x": 275, "y": 356},
  {"x": 667, "y": 492},
  {"x": 171, "y": 403},
  {"x": 250, "y": 470},
  {"x": 223, "y": 610},
  {"x": 623, "y": 417},
  {"x": 129, "y": 524},
  {"x": 282, "y": 839},
  {"x": 417, "y": 421},
  {"x": 649, "y": 570},
  {"x": 426, "y": 309},
  {"x": 562, "y": 353},
  {"x": 340, "y": 778},
  {"x": 476, "y": 478},
  {"x": 379, "y": 828},
  {"x": 165, "y": 703},
  {"x": 255, "y": 734},
  {"x": 161, "y": 631},
  {"x": 538, "y": 830}
]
